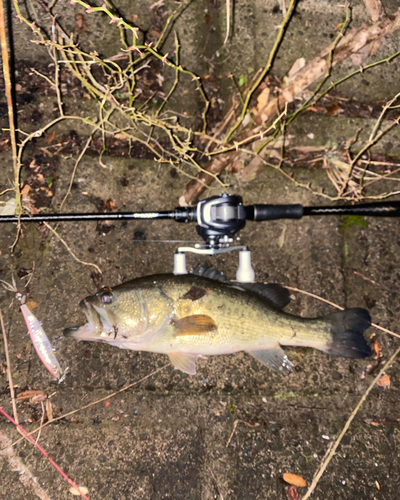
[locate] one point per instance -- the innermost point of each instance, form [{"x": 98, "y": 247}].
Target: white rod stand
[
  {"x": 179, "y": 263},
  {"x": 245, "y": 273}
]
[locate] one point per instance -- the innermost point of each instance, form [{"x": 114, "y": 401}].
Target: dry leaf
[
  {"x": 25, "y": 191},
  {"x": 294, "y": 479},
  {"x": 37, "y": 394},
  {"x": 334, "y": 109},
  {"x": 384, "y": 381},
  {"x": 51, "y": 137},
  {"x": 75, "y": 492},
  {"x": 80, "y": 24},
  {"x": 47, "y": 191},
  {"x": 49, "y": 410},
  {"x": 31, "y": 305},
  {"x": 110, "y": 204},
  {"x": 262, "y": 99},
  {"x": 377, "y": 349},
  {"x": 288, "y": 95},
  {"x": 292, "y": 493},
  {"x": 298, "y": 64}
]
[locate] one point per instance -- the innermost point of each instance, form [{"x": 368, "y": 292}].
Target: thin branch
[
  {"x": 10, "y": 107},
  {"x": 70, "y": 251},
  {"x": 265, "y": 71},
  {"x": 13, "y": 400}
]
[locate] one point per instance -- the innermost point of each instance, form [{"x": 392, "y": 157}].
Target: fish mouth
[{"x": 95, "y": 327}]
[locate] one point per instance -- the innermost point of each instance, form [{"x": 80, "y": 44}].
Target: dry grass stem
[
  {"x": 13, "y": 400},
  {"x": 10, "y": 107},
  {"x": 70, "y": 251}
]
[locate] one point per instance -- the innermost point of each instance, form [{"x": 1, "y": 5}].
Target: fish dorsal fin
[
  {"x": 275, "y": 358},
  {"x": 194, "y": 325},
  {"x": 210, "y": 273},
  {"x": 184, "y": 362},
  {"x": 275, "y": 294}
]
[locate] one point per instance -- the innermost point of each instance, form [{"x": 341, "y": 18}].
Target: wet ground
[
  {"x": 231, "y": 431},
  {"x": 167, "y": 437}
]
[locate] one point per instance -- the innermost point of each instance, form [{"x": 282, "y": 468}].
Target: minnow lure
[{"x": 40, "y": 341}]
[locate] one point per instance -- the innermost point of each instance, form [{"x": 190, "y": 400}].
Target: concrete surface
[{"x": 166, "y": 438}]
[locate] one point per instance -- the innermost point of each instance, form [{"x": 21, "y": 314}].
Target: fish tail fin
[{"x": 347, "y": 329}]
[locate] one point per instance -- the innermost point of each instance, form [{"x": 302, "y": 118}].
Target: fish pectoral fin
[
  {"x": 194, "y": 325},
  {"x": 275, "y": 358},
  {"x": 184, "y": 362}
]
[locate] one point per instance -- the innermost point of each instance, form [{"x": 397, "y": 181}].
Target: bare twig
[
  {"x": 10, "y": 107},
  {"x": 78, "y": 160},
  {"x": 232, "y": 433},
  {"x": 266, "y": 69},
  {"x": 229, "y": 7},
  {"x": 13, "y": 401},
  {"x": 70, "y": 251}
]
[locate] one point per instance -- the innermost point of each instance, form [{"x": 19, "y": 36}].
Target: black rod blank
[{"x": 385, "y": 209}]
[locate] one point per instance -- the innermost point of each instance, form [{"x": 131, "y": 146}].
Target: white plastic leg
[
  {"x": 180, "y": 263},
  {"x": 245, "y": 273}
]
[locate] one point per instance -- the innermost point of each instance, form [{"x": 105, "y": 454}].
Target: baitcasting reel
[{"x": 218, "y": 219}]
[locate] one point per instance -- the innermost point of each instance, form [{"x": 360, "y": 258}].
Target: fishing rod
[{"x": 218, "y": 219}]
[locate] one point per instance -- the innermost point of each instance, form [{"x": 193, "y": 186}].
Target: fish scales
[{"x": 189, "y": 316}]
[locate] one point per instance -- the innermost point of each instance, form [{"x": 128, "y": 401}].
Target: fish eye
[{"x": 106, "y": 297}]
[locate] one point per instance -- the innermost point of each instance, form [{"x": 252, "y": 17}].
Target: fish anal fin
[
  {"x": 273, "y": 293},
  {"x": 274, "y": 358},
  {"x": 194, "y": 325},
  {"x": 184, "y": 362}
]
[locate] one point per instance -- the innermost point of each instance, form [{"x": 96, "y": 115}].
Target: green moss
[
  {"x": 353, "y": 220},
  {"x": 284, "y": 395}
]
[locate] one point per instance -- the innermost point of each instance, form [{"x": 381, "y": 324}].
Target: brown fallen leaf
[
  {"x": 31, "y": 304},
  {"x": 262, "y": 99},
  {"x": 297, "y": 66},
  {"x": 384, "y": 381},
  {"x": 49, "y": 410},
  {"x": 110, "y": 204},
  {"x": 51, "y": 137},
  {"x": 377, "y": 349},
  {"x": 294, "y": 479},
  {"x": 334, "y": 109},
  {"x": 37, "y": 394},
  {"x": 25, "y": 191},
  {"x": 80, "y": 24},
  {"x": 293, "y": 493}
]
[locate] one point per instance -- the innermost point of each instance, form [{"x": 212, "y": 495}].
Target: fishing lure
[{"x": 40, "y": 341}]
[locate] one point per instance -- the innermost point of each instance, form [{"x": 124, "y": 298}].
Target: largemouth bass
[{"x": 190, "y": 316}]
